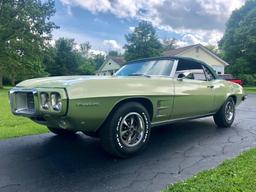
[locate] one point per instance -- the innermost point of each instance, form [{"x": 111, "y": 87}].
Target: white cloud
[
  {"x": 96, "y": 52},
  {"x": 189, "y": 18},
  {"x": 181, "y": 43},
  {"x": 200, "y": 36},
  {"x": 112, "y": 45},
  {"x": 131, "y": 29},
  {"x": 91, "y": 5}
]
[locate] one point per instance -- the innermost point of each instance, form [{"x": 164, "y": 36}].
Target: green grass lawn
[
  {"x": 234, "y": 175},
  {"x": 250, "y": 89},
  {"x": 13, "y": 126}
]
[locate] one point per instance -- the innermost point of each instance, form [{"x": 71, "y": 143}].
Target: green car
[{"x": 122, "y": 109}]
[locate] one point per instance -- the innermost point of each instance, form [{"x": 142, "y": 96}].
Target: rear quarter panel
[{"x": 224, "y": 89}]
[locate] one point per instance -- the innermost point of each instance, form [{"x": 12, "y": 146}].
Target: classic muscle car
[{"x": 122, "y": 109}]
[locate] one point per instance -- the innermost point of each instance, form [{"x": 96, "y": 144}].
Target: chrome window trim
[
  {"x": 206, "y": 68},
  {"x": 203, "y": 68},
  {"x": 174, "y": 68}
]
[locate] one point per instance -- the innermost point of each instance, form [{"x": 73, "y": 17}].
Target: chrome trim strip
[
  {"x": 38, "y": 111},
  {"x": 179, "y": 119},
  {"x": 175, "y": 65},
  {"x": 12, "y": 99}
]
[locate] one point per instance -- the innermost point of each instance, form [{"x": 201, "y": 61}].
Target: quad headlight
[
  {"x": 44, "y": 100},
  {"x": 56, "y": 101},
  {"x": 52, "y": 100}
]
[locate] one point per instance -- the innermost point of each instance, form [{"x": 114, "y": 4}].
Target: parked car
[
  {"x": 231, "y": 78},
  {"x": 122, "y": 109}
]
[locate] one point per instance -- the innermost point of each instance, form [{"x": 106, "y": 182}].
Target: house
[
  {"x": 110, "y": 66},
  {"x": 200, "y": 52}
]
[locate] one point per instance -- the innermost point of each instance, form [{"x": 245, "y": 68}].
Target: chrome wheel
[
  {"x": 229, "y": 110},
  {"x": 132, "y": 129}
]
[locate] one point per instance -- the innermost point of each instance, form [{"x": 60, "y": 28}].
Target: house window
[{"x": 109, "y": 63}]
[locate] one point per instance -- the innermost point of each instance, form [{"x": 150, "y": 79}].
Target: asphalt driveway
[{"x": 51, "y": 163}]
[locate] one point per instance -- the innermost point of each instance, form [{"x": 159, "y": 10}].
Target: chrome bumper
[{"x": 23, "y": 101}]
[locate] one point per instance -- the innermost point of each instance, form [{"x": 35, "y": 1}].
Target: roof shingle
[
  {"x": 174, "y": 52},
  {"x": 119, "y": 60}
]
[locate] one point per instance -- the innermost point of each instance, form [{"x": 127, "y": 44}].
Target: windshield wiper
[{"x": 139, "y": 74}]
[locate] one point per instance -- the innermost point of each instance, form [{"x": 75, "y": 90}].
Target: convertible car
[{"x": 122, "y": 109}]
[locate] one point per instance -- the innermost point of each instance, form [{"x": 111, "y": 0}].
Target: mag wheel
[
  {"x": 226, "y": 114},
  {"x": 126, "y": 131}
]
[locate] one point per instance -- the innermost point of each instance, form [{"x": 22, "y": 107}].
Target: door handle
[{"x": 210, "y": 86}]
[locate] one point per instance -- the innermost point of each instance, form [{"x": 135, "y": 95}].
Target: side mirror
[{"x": 181, "y": 76}]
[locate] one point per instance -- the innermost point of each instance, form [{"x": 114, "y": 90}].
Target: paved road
[{"x": 51, "y": 163}]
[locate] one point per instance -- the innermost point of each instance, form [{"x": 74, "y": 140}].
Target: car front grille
[{"x": 22, "y": 102}]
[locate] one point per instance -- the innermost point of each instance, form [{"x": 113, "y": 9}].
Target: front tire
[
  {"x": 126, "y": 132},
  {"x": 226, "y": 114},
  {"x": 60, "y": 131}
]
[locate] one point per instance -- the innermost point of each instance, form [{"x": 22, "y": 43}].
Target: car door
[{"x": 193, "y": 92}]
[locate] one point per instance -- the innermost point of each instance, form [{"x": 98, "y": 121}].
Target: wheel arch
[
  {"x": 233, "y": 97},
  {"x": 145, "y": 102}
]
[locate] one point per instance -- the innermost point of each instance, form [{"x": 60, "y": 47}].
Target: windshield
[{"x": 147, "y": 68}]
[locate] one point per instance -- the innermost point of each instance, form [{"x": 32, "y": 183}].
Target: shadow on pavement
[{"x": 78, "y": 163}]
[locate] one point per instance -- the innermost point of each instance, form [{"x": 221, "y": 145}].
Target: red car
[{"x": 231, "y": 78}]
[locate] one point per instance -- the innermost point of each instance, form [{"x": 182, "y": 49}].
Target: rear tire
[
  {"x": 60, "y": 131},
  {"x": 127, "y": 131},
  {"x": 226, "y": 114}
]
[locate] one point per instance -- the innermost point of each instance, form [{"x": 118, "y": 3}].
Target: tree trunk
[
  {"x": 1, "y": 80},
  {"x": 13, "y": 81}
]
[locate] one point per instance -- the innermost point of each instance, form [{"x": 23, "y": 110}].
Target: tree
[
  {"x": 142, "y": 42},
  {"x": 85, "y": 48},
  {"x": 87, "y": 67},
  {"x": 49, "y": 60},
  {"x": 98, "y": 60},
  {"x": 25, "y": 28},
  {"x": 113, "y": 54},
  {"x": 214, "y": 49},
  {"x": 169, "y": 44},
  {"x": 65, "y": 59},
  {"x": 91, "y": 61},
  {"x": 239, "y": 40}
]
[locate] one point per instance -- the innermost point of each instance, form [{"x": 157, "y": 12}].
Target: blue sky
[{"x": 105, "y": 22}]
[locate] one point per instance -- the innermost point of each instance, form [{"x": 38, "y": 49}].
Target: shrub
[{"x": 248, "y": 79}]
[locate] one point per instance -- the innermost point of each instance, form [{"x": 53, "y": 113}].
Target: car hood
[{"x": 60, "y": 81}]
